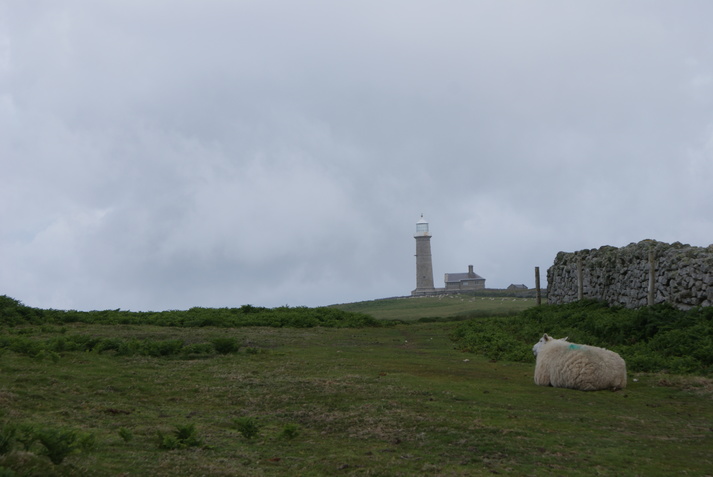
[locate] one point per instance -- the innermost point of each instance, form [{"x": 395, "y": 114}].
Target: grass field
[
  {"x": 394, "y": 401},
  {"x": 443, "y": 306},
  {"x": 387, "y": 401}
]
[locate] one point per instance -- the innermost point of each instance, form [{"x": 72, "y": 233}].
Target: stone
[{"x": 683, "y": 275}]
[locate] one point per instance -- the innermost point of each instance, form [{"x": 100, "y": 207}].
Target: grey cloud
[{"x": 167, "y": 155}]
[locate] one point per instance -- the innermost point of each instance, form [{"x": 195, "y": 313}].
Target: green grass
[
  {"x": 445, "y": 307},
  {"x": 653, "y": 339},
  {"x": 386, "y": 401}
]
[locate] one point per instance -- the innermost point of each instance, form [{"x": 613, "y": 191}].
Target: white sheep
[{"x": 561, "y": 364}]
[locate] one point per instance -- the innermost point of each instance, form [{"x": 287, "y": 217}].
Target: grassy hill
[
  {"x": 185, "y": 396},
  {"x": 444, "y": 306}
]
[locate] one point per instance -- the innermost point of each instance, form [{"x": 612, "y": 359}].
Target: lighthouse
[{"x": 424, "y": 266}]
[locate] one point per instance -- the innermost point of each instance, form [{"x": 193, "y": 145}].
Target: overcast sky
[{"x": 160, "y": 154}]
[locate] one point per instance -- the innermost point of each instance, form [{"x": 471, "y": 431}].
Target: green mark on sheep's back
[{"x": 574, "y": 346}]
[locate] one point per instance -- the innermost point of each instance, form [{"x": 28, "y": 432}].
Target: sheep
[{"x": 561, "y": 364}]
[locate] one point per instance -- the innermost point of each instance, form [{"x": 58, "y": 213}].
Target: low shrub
[
  {"x": 13, "y": 313},
  {"x": 183, "y": 436},
  {"x": 26, "y": 435},
  {"x": 125, "y": 434},
  {"x": 248, "y": 427},
  {"x": 162, "y": 348},
  {"x": 225, "y": 345},
  {"x": 653, "y": 339},
  {"x": 59, "y": 443},
  {"x": 198, "y": 349},
  {"x": 7, "y": 438},
  {"x": 50, "y": 349},
  {"x": 290, "y": 431}
]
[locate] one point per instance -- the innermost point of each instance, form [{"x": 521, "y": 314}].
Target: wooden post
[
  {"x": 652, "y": 278},
  {"x": 580, "y": 280},
  {"x": 537, "y": 285}
]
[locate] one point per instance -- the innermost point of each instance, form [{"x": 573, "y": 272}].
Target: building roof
[{"x": 459, "y": 277}]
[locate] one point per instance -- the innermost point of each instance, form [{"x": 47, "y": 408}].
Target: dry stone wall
[{"x": 682, "y": 275}]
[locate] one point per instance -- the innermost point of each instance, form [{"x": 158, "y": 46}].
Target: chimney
[{"x": 471, "y": 273}]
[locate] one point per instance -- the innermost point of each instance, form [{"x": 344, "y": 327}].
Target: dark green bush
[
  {"x": 183, "y": 436},
  {"x": 162, "y": 348},
  {"x": 198, "y": 349},
  {"x": 7, "y": 438},
  {"x": 247, "y": 426},
  {"x": 26, "y": 435},
  {"x": 225, "y": 345},
  {"x": 108, "y": 344},
  {"x": 59, "y": 443},
  {"x": 658, "y": 338},
  {"x": 290, "y": 431},
  {"x": 50, "y": 348},
  {"x": 25, "y": 346},
  {"x": 13, "y": 313},
  {"x": 126, "y": 434}
]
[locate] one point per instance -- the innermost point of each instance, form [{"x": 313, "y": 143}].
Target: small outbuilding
[
  {"x": 464, "y": 281},
  {"x": 518, "y": 286}
]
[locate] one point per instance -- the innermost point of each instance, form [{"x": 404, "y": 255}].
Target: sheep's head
[{"x": 545, "y": 338}]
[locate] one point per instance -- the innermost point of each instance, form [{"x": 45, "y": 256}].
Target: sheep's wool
[{"x": 568, "y": 365}]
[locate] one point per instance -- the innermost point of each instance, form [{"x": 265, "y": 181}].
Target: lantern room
[{"x": 422, "y": 227}]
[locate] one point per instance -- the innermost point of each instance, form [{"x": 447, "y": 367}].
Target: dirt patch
[
  {"x": 6, "y": 397},
  {"x": 699, "y": 385}
]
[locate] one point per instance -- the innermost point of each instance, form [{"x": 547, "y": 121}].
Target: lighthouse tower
[{"x": 424, "y": 266}]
